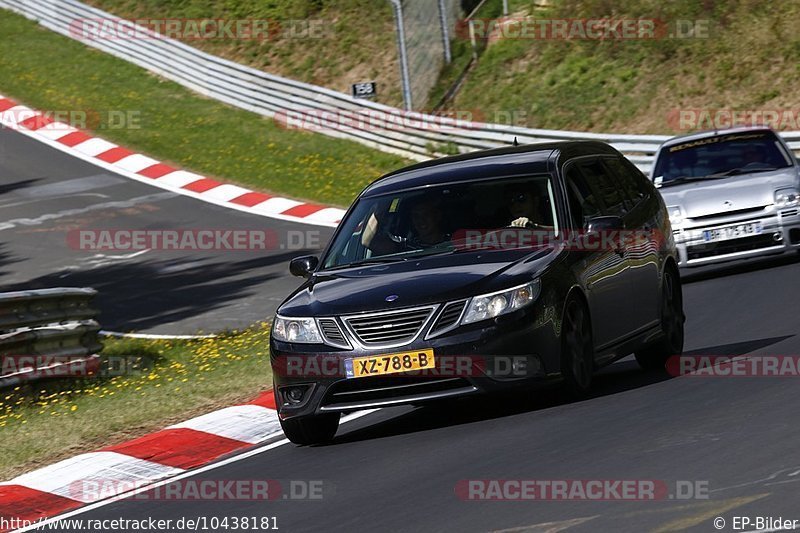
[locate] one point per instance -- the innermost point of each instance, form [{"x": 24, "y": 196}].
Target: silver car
[{"x": 730, "y": 194}]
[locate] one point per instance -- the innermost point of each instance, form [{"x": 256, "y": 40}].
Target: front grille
[
  {"x": 388, "y": 389},
  {"x": 725, "y": 214},
  {"x": 390, "y": 328},
  {"x": 448, "y": 318},
  {"x": 332, "y": 333},
  {"x": 789, "y": 213},
  {"x": 732, "y": 246}
]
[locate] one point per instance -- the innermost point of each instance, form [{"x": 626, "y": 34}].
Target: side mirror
[
  {"x": 598, "y": 225},
  {"x": 303, "y": 266}
]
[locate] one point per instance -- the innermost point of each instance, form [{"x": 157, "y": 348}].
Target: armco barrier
[
  {"x": 42, "y": 331},
  {"x": 268, "y": 95}
]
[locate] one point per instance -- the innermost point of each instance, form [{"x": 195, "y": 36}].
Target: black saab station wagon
[{"x": 468, "y": 274}]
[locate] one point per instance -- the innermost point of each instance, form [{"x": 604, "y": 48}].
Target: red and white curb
[
  {"x": 141, "y": 168},
  {"x": 135, "y": 464}
]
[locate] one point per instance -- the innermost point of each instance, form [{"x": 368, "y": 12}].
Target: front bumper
[
  {"x": 512, "y": 350},
  {"x": 780, "y": 233}
]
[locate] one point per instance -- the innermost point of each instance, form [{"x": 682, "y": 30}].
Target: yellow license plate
[{"x": 393, "y": 363}]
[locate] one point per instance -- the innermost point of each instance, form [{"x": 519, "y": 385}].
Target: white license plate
[{"x": 733, "y": 232}]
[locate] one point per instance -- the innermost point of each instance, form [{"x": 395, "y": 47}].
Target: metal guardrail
[
  {"x": 47, "y": 333},
  {"x": 270, "y": 95}
]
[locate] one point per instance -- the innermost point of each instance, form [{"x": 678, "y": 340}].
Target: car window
[
  {"x": 631, "y": 182},
  {"x": 611, "y": 196},
  {"x": 582, "y": 199},
  {"x": 438, "y": 218}
]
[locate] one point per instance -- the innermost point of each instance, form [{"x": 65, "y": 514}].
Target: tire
[
  {"x": 317, "y": 429},
  {"x": 577, "y": 348},
  {"x": 654, "y": 357}
]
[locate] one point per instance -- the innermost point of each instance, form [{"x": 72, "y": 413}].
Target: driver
[
  {"x": 426, "y": 230},
  {"x": 753, "y": 155},
  {"x": 426, "y": 222},
  {"x": 523, "y": 205}
]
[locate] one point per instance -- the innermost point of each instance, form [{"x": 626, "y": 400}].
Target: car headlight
[
  {"x": 675, "y": 214},
  {"x": 499, "y": 303},
  {"x": 301, "y": 330},
  {"x": 789, "y": 197}
]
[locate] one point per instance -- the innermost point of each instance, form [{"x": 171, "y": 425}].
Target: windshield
[
  {"x": 414, "y": 223},
  {"x": 723, "y": 155}
]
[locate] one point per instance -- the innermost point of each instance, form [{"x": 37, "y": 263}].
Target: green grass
[
  {"x": 749, "y": 61},
  {"x": 353, "y": 40},
  {"x": 50, "y": 72},
  {"x": 43, "y": 422}
]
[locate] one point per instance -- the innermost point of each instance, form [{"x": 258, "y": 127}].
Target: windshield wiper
[
  {"x": 685, "y": 179},
  {"x": 371, "y": 261},
  {"x": 736, "y": 171}
]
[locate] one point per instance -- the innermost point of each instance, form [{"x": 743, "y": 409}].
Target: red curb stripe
[
  {"x": 179, "y": 448},
  {"x": 157, "y": 170},
  {"x": 265, "y": 399},
  {"x": 249, "y": 199},
  {"x": 24, "y": 503},
  {"x": 114, "y": 154},
  {"x": 76, "y": 137},
  {"x": 303, "y": 210},
  {"x": 202, "y": 185},
  {"x": 6, "y": 103},
  {"x": 35, "y": 122}
]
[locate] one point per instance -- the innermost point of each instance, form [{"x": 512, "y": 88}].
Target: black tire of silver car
[
  {"x": 654, "y": 357},
  {"x": 307, "y": 430},
  {"x": 577, "y": 348}
]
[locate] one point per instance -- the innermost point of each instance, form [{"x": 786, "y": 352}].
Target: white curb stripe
[
  {"x": 114, "y": 470},
  {"x": 135, "y": 162},
  {"x": 329, "y": 214},
  {"x": 55, "y": 130},
  {"x": 276, "y": 205},
  {"x": 94, "y": 147},
  {"x": 226, "y": 192},
  {"x": 246, "y": 423},
  {"x": 179, "y": 178}
]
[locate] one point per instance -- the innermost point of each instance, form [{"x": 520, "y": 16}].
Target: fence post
[
  {"x": 401, "y": 46},
  {"x": 448, "y": 57}
]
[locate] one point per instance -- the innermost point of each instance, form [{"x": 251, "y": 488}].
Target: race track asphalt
[
  {"x": 397, "y": 469},
  {"x": 45, "y": 194}
]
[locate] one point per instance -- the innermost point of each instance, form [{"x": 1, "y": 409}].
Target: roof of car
[
  {"x": 713, "y": 133},
  {"x": 507, "y": 161}
]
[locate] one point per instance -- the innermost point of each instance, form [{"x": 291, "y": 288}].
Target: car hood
[
  {"x": 702, "y": 198},
  {"x": 414, "y": 282}
]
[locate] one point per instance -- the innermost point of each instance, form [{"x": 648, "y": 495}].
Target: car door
[
  {"x": 602, "y": 269},
  {"x": 642, "y": 253}
]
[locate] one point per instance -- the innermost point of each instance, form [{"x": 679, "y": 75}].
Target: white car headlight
[
  {"x": 301, "y": 330},
  {"x": 675, "y": 214},
  {"x": 789, "y": 197},
  {"x": 501, "y": 302}
]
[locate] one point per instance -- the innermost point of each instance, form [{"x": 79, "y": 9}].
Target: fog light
[
  {"x": 295, "y": 394},
  {"x": 777, "y": 236}
]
